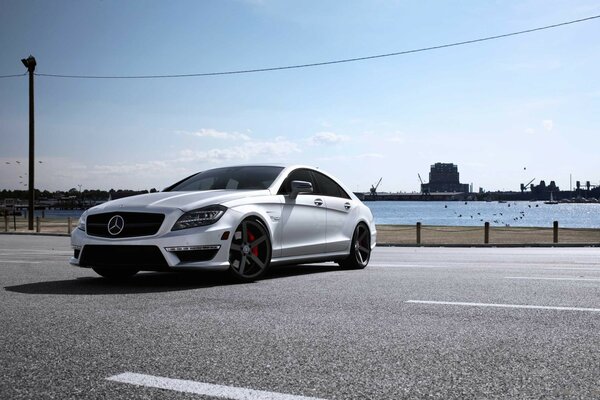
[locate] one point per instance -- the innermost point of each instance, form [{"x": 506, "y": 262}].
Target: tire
[
  {"x": 115, "y": 273},
  {"x": 250, "y": 251},
  {"x": 360, "y": 249}
]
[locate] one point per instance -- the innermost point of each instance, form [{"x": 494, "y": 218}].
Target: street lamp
[{"x": 30, "y": 64}]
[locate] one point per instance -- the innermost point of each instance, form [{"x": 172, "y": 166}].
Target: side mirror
[{"x": 300, "y": 187}]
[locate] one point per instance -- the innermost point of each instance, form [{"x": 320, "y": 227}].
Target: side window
[
  {"x": 296, "y": 175},
  {"x": 328, "y": 187},
  {"x": 204, "y": 184}
]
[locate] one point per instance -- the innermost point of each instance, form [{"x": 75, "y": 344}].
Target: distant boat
[{"x": 552, "y": 201}]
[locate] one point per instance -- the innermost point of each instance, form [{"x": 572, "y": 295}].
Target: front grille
[
  {"x": 135, "y": 224},
  {"x": 142, "y": 257}
]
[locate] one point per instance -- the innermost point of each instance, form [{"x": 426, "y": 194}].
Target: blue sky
[{"x": 506, "y": 111}]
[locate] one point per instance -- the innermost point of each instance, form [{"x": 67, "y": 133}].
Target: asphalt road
[{"x": 417, "y": 323}]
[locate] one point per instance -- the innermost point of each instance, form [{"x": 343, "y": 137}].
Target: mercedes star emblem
[{"x": 116, "y": 225}]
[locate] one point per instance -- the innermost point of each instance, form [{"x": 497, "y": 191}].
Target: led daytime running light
[{"x": 201, "y": 217}]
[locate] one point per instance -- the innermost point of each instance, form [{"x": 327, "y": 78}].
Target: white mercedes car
[{"x": 242, "y": 219}]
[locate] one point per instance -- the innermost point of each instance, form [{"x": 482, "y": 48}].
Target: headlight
[
  {"x": 200, "y": 217},
  {"x": 81, "y": 223}
]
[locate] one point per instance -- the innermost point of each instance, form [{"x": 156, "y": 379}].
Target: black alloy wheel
[
  {"x": 360, "y": 249},
  {"x": 116, "y": 273},
  {"x": 250, "y": 251}
]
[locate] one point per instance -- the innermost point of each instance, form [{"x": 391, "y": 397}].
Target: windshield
[{"x": 231, "y": 178}]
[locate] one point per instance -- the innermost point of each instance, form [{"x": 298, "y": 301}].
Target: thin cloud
[
  {"x": 215, "y": 134},
  {"x": 548, "y": 124},
  {"x": 327, "y": 138},
  {"x": 278, "y": 149},
  {"x": 63, "y": 174},
  {"x": 352, "y": 157},
  {"x": 150, "y": 167},
  {"x": 370, "y": 155},
  {"x": 396, "y": 139}
]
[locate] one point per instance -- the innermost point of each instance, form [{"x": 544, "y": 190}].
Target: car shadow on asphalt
[{"x": 156, "y": 282}]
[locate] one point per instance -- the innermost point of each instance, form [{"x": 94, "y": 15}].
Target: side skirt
[{"x": 310, "y": 259}]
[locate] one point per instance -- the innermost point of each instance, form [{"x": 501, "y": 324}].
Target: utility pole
[{"x": 30, "y": 64}]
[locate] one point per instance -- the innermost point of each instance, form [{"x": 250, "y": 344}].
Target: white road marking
[
  {"x": 19, "y": 262},
  {"x": 542, "y": 278},
  {"x": 33, "y": 253},
  {"x": 453, "y": 303},
  {"x": 569, "y": 269},
  {"x": 391, "y": 265},
  {"x": 206, "y": 389},
  {"x": 484, "y": 265}
]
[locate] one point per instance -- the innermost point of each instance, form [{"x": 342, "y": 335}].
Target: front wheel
[
  {"x": 115, "y": 273},
  {"x": 250, "y": 251},
  {"x": 360, "y": 249}
]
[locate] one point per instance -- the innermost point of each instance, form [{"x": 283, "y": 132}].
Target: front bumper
[{"x": 204, "y": 247}]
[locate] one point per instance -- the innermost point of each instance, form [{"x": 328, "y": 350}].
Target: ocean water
[
  {"x": 476, "y": 213},
  {"x": 457, "y": 213},
  {"x": 57, "y": 214}
]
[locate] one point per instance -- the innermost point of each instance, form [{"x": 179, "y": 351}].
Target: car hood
[{"x": 184, "y": 201}]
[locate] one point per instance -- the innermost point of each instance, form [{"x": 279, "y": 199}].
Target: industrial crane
[
  {"x": 524, "y": 187},
  {"x": 374, "y": 187}
]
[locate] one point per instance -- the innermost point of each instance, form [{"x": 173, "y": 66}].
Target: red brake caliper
[{"x": 251, "y": 238}]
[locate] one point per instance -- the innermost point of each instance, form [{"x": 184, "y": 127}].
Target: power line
[
  {"x": 318, "y": 64},
  {"x": 12, "y": 76}
]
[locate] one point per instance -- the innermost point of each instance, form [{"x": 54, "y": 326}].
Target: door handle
[
  {"x": 318, "y": 202},
  {"x": 347, "y": 206}
]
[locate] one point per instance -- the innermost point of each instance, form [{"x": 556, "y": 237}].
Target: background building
[{"x": 444, "y": 178}]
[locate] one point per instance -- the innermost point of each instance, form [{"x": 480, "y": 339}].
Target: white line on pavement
[
  {"x": 30, "y": 253},
  {"x": 569, "y": 269},
  {"x": 453, "y": 303},
  {"x": 206, "y": 389},
  {"x": 542, "y": 278},
  {"x": 19, "y": 262},
  {"x": 486, "y": 266},
  {"x": 392, "y": 265}
]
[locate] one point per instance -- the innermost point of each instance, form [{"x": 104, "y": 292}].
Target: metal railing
[
  {"x": 420, "y": 234},
  {"x": 15, "y": 223}
]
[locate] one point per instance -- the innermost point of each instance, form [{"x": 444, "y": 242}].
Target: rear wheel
[
  {"x": 360, "y": 249},
  {"x": 250, "y": 251},
  {"x": 115, "y": 273}
]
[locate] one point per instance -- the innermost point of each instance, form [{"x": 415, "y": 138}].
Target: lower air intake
[{"x": 142, "y": 257}]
